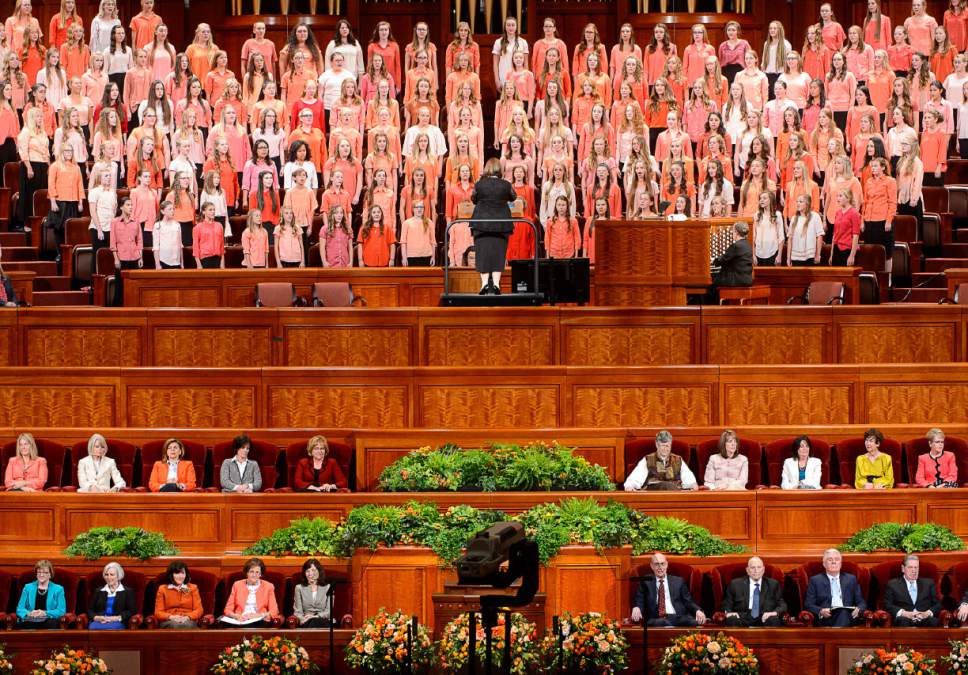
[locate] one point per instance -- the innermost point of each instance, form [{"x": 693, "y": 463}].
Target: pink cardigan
[
  {"x": 926, "y": 474},
  {"x": 265, "y": 598},
  {"x": 35, "y": 475}
]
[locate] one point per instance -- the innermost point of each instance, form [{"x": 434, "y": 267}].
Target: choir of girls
[{"x": 368, "y": 146}]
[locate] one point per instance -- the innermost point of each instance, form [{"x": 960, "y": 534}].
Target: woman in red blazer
[
  {"x": 318, "y": 472},
  {"x": 252, "y": 601},
  {"x": 183, "y": 470},
  {"x": 937, "y": 467}
]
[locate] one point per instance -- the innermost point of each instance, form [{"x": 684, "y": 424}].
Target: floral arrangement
[
  {"x": 111, "y": 542},
  {"x": 957, "y": 658},
  {"x": 590, "y": 642},
  {"x": 500, "y": 467},
  {"x": 703, "y": 653},
  {"x": 275, "y": 655},
  {"x": 380, "y": 645},
  {"x": 6, "y": 664},
  {"x": 454, "y": 645},
  {"x": 886, "y": 662},
  {"x": 70, "y": 661}
]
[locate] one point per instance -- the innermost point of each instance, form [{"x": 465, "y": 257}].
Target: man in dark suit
[
  {"x": 754, "y": 600},
  {"x": 909, "y": 600},
  {"x": 735, "y": 264},
  {"x": 834, "y": 597},
  {"x": 665, "y": 600}
]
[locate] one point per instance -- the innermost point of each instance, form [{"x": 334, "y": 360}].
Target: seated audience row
[{"x": 729, "y": 469}]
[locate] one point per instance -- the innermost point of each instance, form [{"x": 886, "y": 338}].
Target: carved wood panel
[
  {"x": 179, "y": 297},
  {"x": 456, "y": 345},
  {"x": 8, "y": 346},
  {"x": 340, "y": 406},
  {"x": 221, "y": 347},
  {"x": 194, "y": 527},
  {"x": 349, "y": 346},
  {"x": 752, "y": 344},
  {"x": 918, "y": 343},
  {"x": 787, "y": 404},
  {"x": 901, "y": 403},
  {"x": 640, "y": 405},
  {"x": 109, "y": 346},
  {"x": 627, "y": 345},
  {"x": 192, "y": 406},
  {"x": 464, "y": 407},
  {"x": 58, "y": 405}
]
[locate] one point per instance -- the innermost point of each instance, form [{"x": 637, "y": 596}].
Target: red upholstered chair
[
  {"x": 8, "y": 599},
  {"x": 801, "y": 577},
  {"x": 275, "y": 294},
  {"x": 207, "y": 584},
  {"x": 637, "y": 449},
  {"x": 69, "y": 580},
  {"x": 884, "y": 572},
  {"x": 57, "y": 456},
  {"x": 916, "y": 447},
  {"x": 776, "y": 452},
  {"x": 692, "y": 576},
  {"x": 342, "y": 598},
  {"x": 720, "y": 578},
  {"x": 280, "y": 584},
  {"x": 195, "y": 452},
  {"x": 747, "y": 447},
  {"x": 263, "y": 453},
  {"x": 124, "y": 454},
  {"x": 957, "y": 584},
  {"x": 341, "y": 452},
  {"x": 849, "y": 450},
  {"x": 133, "y": 580}
]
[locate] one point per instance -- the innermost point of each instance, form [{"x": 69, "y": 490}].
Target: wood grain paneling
[
  {"x": 192, "y": 406},
  {"x": 192, "y": 526},
  {"x": 176, "y": 297},
  {"x": 661, "y": 405},
  {"x": 764, "y": 344},
  {"x": 578, "y": 568},
  {"x": 787, "y": 403},
  {"x": 399, "y": 578},
  {"x": 344, "y": 406},
  {"x": 487, "y": 345},
  {"x": 107, "y": 346},
  {"x": 923, "y": 343},
  {"x": 628, "y": 346},
  {"x": 23, "y": 524},
  {"x": 51, "y": 405},
  {"x": 349, "y": 346},
  {"x": 902, "y": 403},
  {"x": 222, "y": 347},
  {"x": 475, "y": 407}
]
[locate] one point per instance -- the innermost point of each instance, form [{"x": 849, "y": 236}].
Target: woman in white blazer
[
  {"x": 801, "y": 471},
  {"x": 97, "y": 471}
]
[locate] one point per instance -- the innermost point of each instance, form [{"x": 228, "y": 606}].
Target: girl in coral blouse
[
  {"x": 581, "y": 109},
  {"x": 522, "y": 78},
  {"x": 601, "y": 211},
  {"x": 756, "y": 183},
  {"x": 716, "y": 153},
  {"x": 346, "y": 129},
  {"x": 832, "y": 32},
  {"x": 714, "y": 127},
  {"x": 515, "y": 156},
  {"x": 798, "y": 185},
  {"x": 596, "y": 127},
  {"x": 218, "y": 76},
  {"x": 631, "y": 75},
  {"x": 603, "y": 186},
  {"x": 336, "y": 239},
  {"x": 695, "y": 55},
  {"x": 622, "y": 50},
  {"x": 463, "y": 43},
  {"x": 920, "y": 78},
  {"x": 595, "y": 74},
  {"x": 75, "y": 55},
  {"x": 899, "y": 54},
  {"x": 255, "y": 242},
  {"x": 553, "y": 69},
  {"x": 860, "y": 56},
  {"x": 417, "y": 190},
  {"x": 697, "y": 111},
  {"x": 867, "y": 131},
  {"x": 380, "y": 157},
  {"x": 266, "y": 200},
  {"x": 376, "y": 241},
  {"x": 942, "y": 54},
  {"x": 862, "y": 107},
  {"x": 459, "y": 191},
  {"x": 461, "y": 155},
  {"x": 376, "y": 71},
  {"x": 816, "y": 56},
  {"x": 877, "y": 27},
  {"x": 657, "y": 109},
  {"x": 422, "y": 98},
  {"x": 590, "y": 43},
  {"x": 677, "y": 185},
  {"x": 658, "y": 51},
  {"x": 32, "y": 54},
  {"x": 934, "y": 148},
  {"x": 754, "y": 81},
  {"x": 382, "y": 42},
  {"x": 714, "y": 185},
  {"x": 289, "y": 245},
  {"x": 383, "y": 99},
  {"x": 600, "y": 153},
  {"x": 256, "y": 75},
  {"x": 561, "y": 234},
  {"x": 676, "y": 80}
]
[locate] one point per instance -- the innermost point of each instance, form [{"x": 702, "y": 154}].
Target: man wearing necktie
[
  {"x": 909, "y": 600},
  {"x": 755, "y": 599},
  {"x": 834, "y": 597},
  {"x": 664, "y": 599}
]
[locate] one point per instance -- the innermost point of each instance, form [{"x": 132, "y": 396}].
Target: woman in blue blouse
[{"x": 42, "y": 602}]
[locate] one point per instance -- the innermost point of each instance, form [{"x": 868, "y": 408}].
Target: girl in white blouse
[
  {"x": 768, "y": 225},
  {"x": 97, "y": 472}
]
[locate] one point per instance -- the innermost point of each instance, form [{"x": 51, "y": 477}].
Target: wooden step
[
  {"x": 931, "y": 295},
  {"x": 52, "y": 284},
  {"x": 58, "y": 298},
  {"x": 955, "y": 250},
  {"x": 930, "y": 279},
  {"x": 13, "y": 239},
  {"x": 42, "y": 268},
  {"x": 11, "y": 253},
  {"x": 941, "y": 264}
]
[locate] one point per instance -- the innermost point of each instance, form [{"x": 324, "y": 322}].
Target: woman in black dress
[{"x": 492, "y": 196}]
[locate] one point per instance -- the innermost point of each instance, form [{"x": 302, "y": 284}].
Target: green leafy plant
[
  {"x": 907, "y": 537},
  {"x": 304, "y": 537},
  {"x": 501, "y": 467},
  {"x": 112, "y": 542},
  {"x": 674, "y": 535}
]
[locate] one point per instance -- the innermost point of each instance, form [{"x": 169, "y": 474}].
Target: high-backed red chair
[
  {"x": 884, "y": 572},
  {"x": 57, "y": 456},
  {"x": 71, "y": 582},
  {"x": 195, "y": 452},
  {"x": 916, "y": 447},
  {"x": 801, "y": 577},
  {"x": 341, "y": 452},
  {"x": 124, "y": 454},
  {"x": 342, "y": 599},
  {"x": 263, "y": 453},
  {"x": 692, "y": 576},
  {"x": 278, "y": 580},
  {"x": 748, "y": 447},
  {"x": 849, "y": 450},
  {"x": 777, "y": 452},
  {"x": 7, "y": 598},
  {"x": 136, "y": 581},
  {"x": 207, "y": 585},
  {"x": 955, "y": 585},
  {"x": 637, "y": 449},
  {"x": 721, "y": 576}
]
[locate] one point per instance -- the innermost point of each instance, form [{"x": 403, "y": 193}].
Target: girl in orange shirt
[
  {"x": 146, "y": 159},
  {"x": 376, "y": 241},
  {"x": 591, "y": 43},
  {"x": 176, "y": 82},
  {"x": 596, "y": 127},
  {"x": 581, "y": 108},
  {"x": 182, "y": 198},
  {"x": 676, "y": 80},
  {"x": 755, "y": 184},
  {"x": 934, "y": 148},
  {"x": 417, "y": 190},
  {"x": 266, "y": 200},
  {"x": 553, "y": 69},
  {"x": 459, "y": 192},
  {"x": 336, "y": 239},
  {"x": 475, "y": 135},
  {"x": 678, "y": 186},
  {"x": 600, "y": 212},
  {"x": 75, "y": 56},
  {"x": 942, "y": 54},
  {"x": 255, "y": 242},
  {"x": 382, "y": 42},
  {"x": 717, "y": 86},
  {"x": 289, "y": 245},
  {"x": 221, "y": 161},
  {"x": 658, "y": 51},
  {"x": 461, "y": 156},
  {"x": 217, "y": 77},
  {"x": 521, "y": 241},
  {"x": 421, "y": 71},
  {"x": 800, "y": 184},
  {"x": 661, "y": 102},
  {"x": 380, "y": 157},
  {"x": 465, "y": 98},
  {"x": 380, "y": 194},
  {"x": 633, "y": 75},
  {"x": 423, "y": 97},
  {"x": 335, "y": 195},
  {"x": 352, "y": 168},
  {"x": 383, "y": 99},
  {"x": 521, "y": 77},
  {"x": 595, "y": 74},
  {"x": 561, "y": 234},
  {"x": 33, "y": 54},
  {"x": 603, "y": 187}
]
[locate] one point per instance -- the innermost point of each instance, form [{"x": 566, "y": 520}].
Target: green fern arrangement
[{"x": 111, "y": 542}]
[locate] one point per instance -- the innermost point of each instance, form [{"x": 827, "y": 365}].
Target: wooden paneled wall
[
  {"x": 456, "y": 337},
  {"x": 485, "y": 398}
]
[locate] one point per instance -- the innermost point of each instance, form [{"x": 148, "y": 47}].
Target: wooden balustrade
[{"x": 539, "y": 336}]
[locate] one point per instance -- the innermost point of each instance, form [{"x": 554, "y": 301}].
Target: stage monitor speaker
[{"x": 560, "y": 279}]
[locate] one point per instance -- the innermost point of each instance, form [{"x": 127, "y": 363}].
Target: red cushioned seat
[
  {"x": 341, "y": 452},
  {"x": 263, "y": 453},
  {"x": 748, "y": 447},
  {"x": 195, "y": 452},
  {"x": 849, "y": 450},
  {"x": 123, "y": 453},
  {"x": 916, "y": 447},
  {"x": 777, "y": 452}
]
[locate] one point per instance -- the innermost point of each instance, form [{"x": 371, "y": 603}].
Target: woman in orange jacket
[
  {"x": 178, "y": 603},
  {"x": 173, "y": 473},
  {"x": 252, "y": 601}
]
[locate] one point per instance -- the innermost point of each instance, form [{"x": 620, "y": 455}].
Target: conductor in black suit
[
  {"x": 754, "y": 600},
  {"x": 909, "y": 600},
  {"x": 492, "y": 196},
  {"x": 664, "y": 600}
]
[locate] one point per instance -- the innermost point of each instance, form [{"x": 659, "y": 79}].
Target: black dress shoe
[
  {"x": 485, "y": 291},
  {"x": 495, "y": 290}
]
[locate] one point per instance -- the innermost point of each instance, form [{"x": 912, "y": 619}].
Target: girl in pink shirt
[
  {"x": 255, "y": 241},
  {"x": 841, "y": 85},
  {"x": 144, "y": 206},
  {"x": 877, "y": 27},
  {"x": 417, "y": 243},
  {"x": 832, "y": 32},
  {"x": 289, "y": 245},
  {"x": 562, "y": 236},
  {"x": 860, "y": 56},
  {"x": 920, "y": 79},
  {"x": 899, "y": 54},
  {"x": 920, "y": 27},
  {"x": 697, "y": 111},
  {"x": 694, "y": 56},
  {"x": 336, "y": 239}
]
